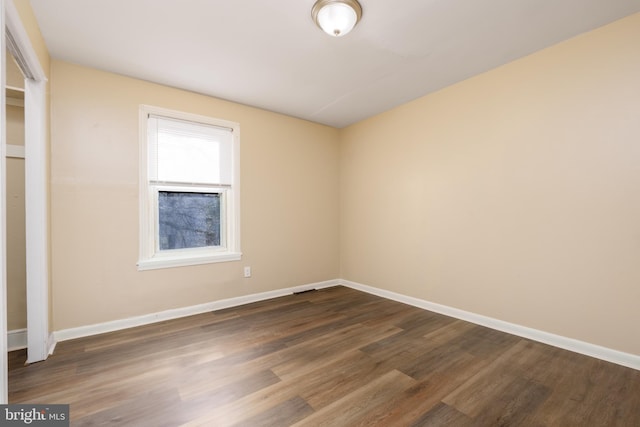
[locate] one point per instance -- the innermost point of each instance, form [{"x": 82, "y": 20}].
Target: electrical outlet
[{"x": 247, "y": 272}]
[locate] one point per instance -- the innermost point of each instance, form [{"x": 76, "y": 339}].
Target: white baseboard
[
  {"x": 593, "y": 350},
  {"x": 51, "y": 344},
  {"x": 16, "y": 339},
  {"x": 116, "y": 325}
]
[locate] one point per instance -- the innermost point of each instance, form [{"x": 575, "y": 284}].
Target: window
[{"x": 189, "y": 189}]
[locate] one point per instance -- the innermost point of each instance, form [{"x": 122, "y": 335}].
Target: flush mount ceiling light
[{"x": 336, "y": 17}]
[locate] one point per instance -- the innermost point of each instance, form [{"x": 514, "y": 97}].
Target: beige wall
[
  {"x": 289, "y": 201},
  {"x": 15, "y": 123},
  {"x": 514, "y": 194},
  {"x": 16, "y": 255}
]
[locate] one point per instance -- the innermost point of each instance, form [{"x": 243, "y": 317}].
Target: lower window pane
[{"x": 188, "y": 220}]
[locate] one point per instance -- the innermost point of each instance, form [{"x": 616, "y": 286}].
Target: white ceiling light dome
[{"x": 336, "y": 17}]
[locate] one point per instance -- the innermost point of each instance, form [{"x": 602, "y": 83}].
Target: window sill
[{"x": 183, "y": 261}]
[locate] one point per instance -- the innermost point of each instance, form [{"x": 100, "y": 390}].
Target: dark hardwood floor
[{"x": 336, "y": 357}]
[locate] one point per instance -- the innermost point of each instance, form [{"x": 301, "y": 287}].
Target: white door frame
[
  {"x": 3, "y": 217},
  {"x": 39, "y": 339}
]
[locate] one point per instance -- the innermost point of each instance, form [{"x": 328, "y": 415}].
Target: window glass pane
[
  {"x": 188, "y": 159},
  {"x": 189, "y": 152},
  {"x": 188, "y": 220}
]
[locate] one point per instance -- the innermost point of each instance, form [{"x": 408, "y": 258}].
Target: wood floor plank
[
  {"x": 405, "y": 408},
  {"x": 343, "y": 376},
  {"x": 336, "y": 357},
  {"x": 485, "y": 386},
  {"x": 285, "y": 414},
  {"x": 443, "y": 415},
  {"x": 232, "y": 391},
  {"x": 349, "y": 409},
  {"x": 242, "y": 409},
  {"x": 515, "y": 405},
  {"x": 322, "y": 352}
]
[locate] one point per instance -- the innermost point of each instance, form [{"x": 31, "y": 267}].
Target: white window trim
[{"x": 149, "y": 259}]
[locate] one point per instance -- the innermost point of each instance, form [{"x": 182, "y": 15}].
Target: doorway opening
[{"x": 16, "y": 41}]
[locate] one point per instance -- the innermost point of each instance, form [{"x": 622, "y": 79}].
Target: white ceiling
[{"x": 269, "y": 53}]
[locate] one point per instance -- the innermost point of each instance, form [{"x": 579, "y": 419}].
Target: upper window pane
[{"x": 190, "y": 153}]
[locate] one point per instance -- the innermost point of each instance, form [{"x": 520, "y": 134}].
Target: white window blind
[{"x": 189, "y": 153}]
